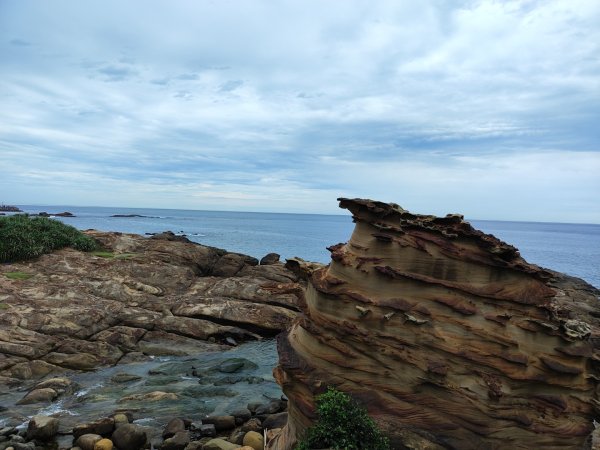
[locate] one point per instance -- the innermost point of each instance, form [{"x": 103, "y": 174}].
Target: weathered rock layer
[
  {"x": 447, "y": 336},
  {"x": 141, "y": 297}
]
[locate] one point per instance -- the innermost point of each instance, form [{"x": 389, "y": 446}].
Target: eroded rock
[{"x": 446, "y": 335}]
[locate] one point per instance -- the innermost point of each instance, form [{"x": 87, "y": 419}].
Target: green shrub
[
  {"x": 342, "y": 424},
  {"x": 23, "y": 237}
]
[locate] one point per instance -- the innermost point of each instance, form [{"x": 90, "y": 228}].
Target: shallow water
[{"x": 201, "y": 387}]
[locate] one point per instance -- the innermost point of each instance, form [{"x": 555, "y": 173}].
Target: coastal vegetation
[
  {"x": 23, "y": 237},
  {"x": 342, "y": 424},
  {"x": 17, "y": 275},
  {"x": 112, "y": 255}
]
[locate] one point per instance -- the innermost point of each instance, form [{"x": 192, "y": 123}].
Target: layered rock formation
[
  {"x": 448, "y": 337},
  {"x": 140, "y": 297}
]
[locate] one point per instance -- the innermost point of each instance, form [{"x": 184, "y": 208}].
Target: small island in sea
[{"x": 446, "y": 335}]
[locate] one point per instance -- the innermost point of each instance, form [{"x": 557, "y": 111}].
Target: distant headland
[{"x": 9, "y": 208}]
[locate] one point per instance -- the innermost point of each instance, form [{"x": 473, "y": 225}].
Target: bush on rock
[{"x": 342, "y": 424}]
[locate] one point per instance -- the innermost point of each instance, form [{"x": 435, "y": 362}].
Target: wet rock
[
  {"x": 241, "y": 415},
  {"x": 237, "y": 436},
  {"x": 272, "y": 407},
  {"x": 130, "y": 436},
  {"x": 103, "y": 427},
  {"x": 195, "y": 445},
  {"x": 275, "y": 421},
  {"x": 124, "y": 378},
  {"x": 177, "y": 442},
  {"x": 174, "y": 426},
  {"x": 103, "y": 444},
  {"x": 42, "y": 428},
  {"x": 269, "y": 258},
  {"x": 208, "y": 429},
  {"x": 154, "y": 396},
  {"x": 220, "y": 422},
  {"x": 254, "y": 440},
  {"x": 253, "y": 424},
  {"x": 8, "y": 431},
  {"x": 234, "y": 365},
  {"x": 219, "y": 444},
  {"x": 120, "y": 419},
  {"x": 87, "y": 441},
  {"x": 61, "y": 385},
  {"x": 44, "y": 395}
]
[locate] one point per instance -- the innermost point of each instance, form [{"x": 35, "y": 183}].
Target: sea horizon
[{"x": 343, "y": 213}]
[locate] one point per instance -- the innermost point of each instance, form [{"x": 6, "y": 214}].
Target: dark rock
[
  {"x": 124, "y": 378},
  {"x": 237, "y": 437},
  {"x": 7, "y": 431},
  {"x": 253, "y": 406},
  {"x": 272, "y": 407},
  {"x": 208, "y": 429},
  {"x": 130, "y": 437},
  {"x": 221, "y": 422},
  {"x": 24, "y": 446},
  {"x": 64, "y": 214},
  {"x": 178, "y": 442},
  {"x": 42, "y": 428},
  {"x": 230, "y": 264},
  {"x": 270, "y": 258},
  {"x": 103, "y": 427},
  {"x": 127, "y": 215},
  {"x": 275, "y": 421},
  {"x": 241, "y": 415},
  {"x": 170, "y": 236},
  {"x": 174, "y": 426},
  {"x": 253, "y": 424}
]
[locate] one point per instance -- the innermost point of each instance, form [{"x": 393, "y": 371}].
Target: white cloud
[{"x": 364, "y": 98}]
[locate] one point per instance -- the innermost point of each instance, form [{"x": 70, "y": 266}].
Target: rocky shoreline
[{"x": 139, "y": 300}]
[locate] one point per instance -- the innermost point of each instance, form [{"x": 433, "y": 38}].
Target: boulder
[
  {"x": 253, "y": 424},
  {"x": 220, "y": 422},
  {"x": 88, "y": 441},
  {"x": 241, "y": 415},
  {"x": 177, "y": 442},
  {"x": 275, "y": 420},
  {"x": 102, "y": 427},
  {"x": 174, "y": 426},
  {"x": 44, "y": 395},
  {"x": 219, "y": 444},
  {"x": 42, "y": 428},
  {"x": 269, "y": 258},
  {"x": 129, "y": 436},
  {"x": 254, "y": 440},
  {"x": 104, "y": 444},
  {"x": 208, "y": 429}
]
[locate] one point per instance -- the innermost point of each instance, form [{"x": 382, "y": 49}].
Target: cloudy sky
[{"x": 488, "y": 108}]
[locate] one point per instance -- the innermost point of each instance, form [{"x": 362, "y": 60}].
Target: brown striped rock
[{"x": 448, "y": 337}]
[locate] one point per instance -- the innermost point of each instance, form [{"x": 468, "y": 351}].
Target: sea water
[{"x": 570, "y": 248}]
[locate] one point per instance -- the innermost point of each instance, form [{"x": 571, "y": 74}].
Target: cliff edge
[{"x": 448, "y": 337}]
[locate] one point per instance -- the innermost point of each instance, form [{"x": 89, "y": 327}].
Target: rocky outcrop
[
  {"x": 448, "y": 337},
  {"x": 137, "y": 298}
]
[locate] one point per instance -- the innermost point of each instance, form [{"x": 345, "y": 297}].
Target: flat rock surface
[{"x": 140, "y": 297}]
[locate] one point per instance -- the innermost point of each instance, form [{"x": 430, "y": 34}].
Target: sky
[{"x": 490, "y": 109}]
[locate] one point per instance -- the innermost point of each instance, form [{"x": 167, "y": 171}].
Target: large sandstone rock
[
  {"x": 447, "y": 336},
  {"x": 161, "y": 296}
]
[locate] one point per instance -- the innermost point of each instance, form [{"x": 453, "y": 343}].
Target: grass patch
[
  {"x": 3, "y": 306},
  {"x": 112, "y": 255},
  {"x": 23, "y": 237},
  {"x": 18, "y": 275},
  {"x": 342, "y": 424}
]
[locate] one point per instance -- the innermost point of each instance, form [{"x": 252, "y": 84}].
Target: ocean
[{"x": 570, "y": 248}]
